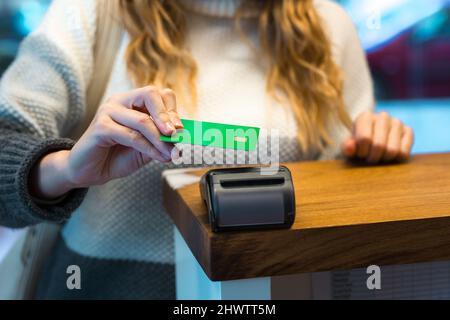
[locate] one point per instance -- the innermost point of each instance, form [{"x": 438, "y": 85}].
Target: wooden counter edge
[{"x": 422, "y": 240}]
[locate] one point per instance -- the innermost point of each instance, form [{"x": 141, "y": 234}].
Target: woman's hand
[
  {"x": 123, "y": 137},
  {"x": 379, "y": 138}
]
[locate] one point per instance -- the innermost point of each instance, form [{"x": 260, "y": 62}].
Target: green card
[{"x": 217, "y": 135}]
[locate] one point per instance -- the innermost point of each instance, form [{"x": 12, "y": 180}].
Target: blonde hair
[{"x": 301, "y": 67}]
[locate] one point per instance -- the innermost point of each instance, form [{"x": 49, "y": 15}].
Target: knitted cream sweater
[{"x": 119, "y": 233}]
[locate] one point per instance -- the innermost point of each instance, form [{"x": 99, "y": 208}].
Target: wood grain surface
[{"x": 347, "y": 216}]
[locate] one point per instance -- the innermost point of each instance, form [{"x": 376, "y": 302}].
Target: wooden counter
[{"x": 348, "y": 216}]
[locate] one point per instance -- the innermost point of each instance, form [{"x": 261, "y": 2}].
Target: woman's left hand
[{"x": 377, "y": 137}]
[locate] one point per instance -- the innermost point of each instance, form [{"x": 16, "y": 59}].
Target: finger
[
  {"x": 394, "y": 140},
  {"x": 149, "y": 98},
  {"x": 363, "y": 134},
  {"x": 170, "y": 101},
  {"x": 133, "y": 139},
  {"x": 406, "y": 144},
  {"x": 142, "y": 123},
  {"x": 128, "y": 137},
  {"x": 349, "y": 148},
  {"x": 380, "y": 137}
]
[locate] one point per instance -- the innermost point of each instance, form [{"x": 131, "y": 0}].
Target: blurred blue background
[{"x": 407, "y": 44}]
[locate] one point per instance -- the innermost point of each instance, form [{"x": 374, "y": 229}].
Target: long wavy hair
[{"x": 301, "y": 69}]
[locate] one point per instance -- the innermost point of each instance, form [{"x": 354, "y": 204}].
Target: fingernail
[
  {"x": 170, "y": 126},
  {"x": 178, "y": 123}
]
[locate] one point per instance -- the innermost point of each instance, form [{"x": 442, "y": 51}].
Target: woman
[{"x": 299, "y": 68}]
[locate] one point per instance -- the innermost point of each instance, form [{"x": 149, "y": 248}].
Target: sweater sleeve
[
  {"x": 349, "y": 55},
  {"x": 42, "y": 98}
]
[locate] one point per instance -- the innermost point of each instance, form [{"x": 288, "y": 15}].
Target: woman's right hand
[{"x": 123, "y": 136}]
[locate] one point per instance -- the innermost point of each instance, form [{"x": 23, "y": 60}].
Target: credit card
[{"x": 218, "y": 135}]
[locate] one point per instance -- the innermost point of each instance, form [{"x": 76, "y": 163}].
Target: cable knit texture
[
  {"x": 19, "y": 154},
  {"x": 42, "y": 98}
]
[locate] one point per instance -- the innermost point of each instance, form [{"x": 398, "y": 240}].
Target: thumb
[{"x": 348, "y": 148}]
